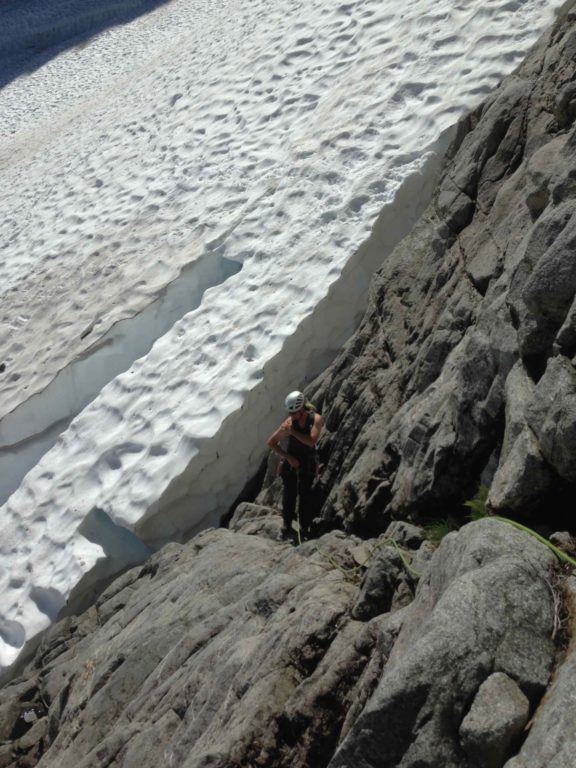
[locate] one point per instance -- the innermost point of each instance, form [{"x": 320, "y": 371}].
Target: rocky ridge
[
  {"x": 239, "y": 649},
  {"x": 462, "y": 369},
  {"x": 366, "y": 647}
]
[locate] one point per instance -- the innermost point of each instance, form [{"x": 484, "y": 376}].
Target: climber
[{"x": 298, "y": 466}]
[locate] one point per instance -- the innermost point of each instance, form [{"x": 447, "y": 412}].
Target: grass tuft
[
  {"x": 478, "y": 504},
  {"x": 436, "y": 531}
]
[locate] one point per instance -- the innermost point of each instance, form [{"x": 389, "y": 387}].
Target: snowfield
[{"x": 193, "y": 202}]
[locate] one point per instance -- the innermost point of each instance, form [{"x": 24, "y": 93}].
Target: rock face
[
  {"x": 463, "y": 366},
  {"x": 551, "y": 742},
  {"x": 495, "y": 721},
  {"x": 239, "y": 650},
  {"x": 483, "y": 607},
  {"x": 231, "y": 651}
]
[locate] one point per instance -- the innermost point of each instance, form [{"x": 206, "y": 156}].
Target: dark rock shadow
[{"x": 49, "y": 29}]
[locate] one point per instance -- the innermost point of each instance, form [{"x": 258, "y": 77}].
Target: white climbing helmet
[{"x": 294, "y": 401}]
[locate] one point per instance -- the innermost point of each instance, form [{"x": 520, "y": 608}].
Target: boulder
[
  {"x": 522, "y": 475},
  {"x": 552, "y": 416},
  {"x": 484, "y": 606},
  {"x": 379, "y": 584},
  {"x": 257, "y": 519},
  {"x": 551, "y": 741},
  {"x": 405, "y": 534},
  {"x": 495, "y": 721},
  {"x": 539, "y": 174},
  {"x": 546, "y": 295}
]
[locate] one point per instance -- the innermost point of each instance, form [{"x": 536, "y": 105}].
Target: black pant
[{"x": 297, "y": 487}]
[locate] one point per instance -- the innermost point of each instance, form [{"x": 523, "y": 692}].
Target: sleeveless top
[{"x": 305, "y": 454}]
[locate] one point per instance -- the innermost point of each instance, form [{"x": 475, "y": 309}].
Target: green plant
[
  {"x": 436, "y": 531},
  {"x": 478, "y": 504}
]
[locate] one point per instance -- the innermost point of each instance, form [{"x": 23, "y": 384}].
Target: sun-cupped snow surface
[{"x": 266, "y": 133}]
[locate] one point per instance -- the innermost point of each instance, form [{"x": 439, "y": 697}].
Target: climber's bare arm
[{"x": 282, "y": 433}]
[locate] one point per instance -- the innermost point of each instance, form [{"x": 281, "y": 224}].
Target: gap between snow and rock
[
  {"x": 223, "y": 463},
  {"x": 219, "y": 465},
  {"x": 31, "y": 430}
]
